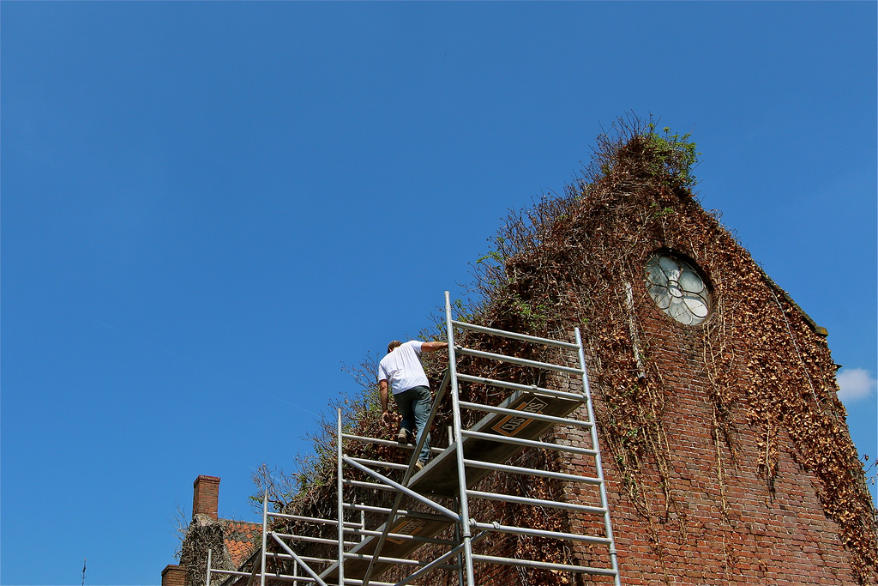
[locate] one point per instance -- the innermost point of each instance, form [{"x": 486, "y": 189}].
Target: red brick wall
[
  {"x": 776, "y": 538},
  {"x": 779, "y": 536},
  {"x": 174, "y": 576},
  {"x": 205, "y": 499}
]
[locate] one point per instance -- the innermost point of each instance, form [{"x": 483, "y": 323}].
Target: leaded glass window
[{"x": 678, "y": 288}]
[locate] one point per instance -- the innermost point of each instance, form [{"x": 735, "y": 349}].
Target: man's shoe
[
  {"x": 404, "y": 436},
  {"x": 419, "y": 465}
]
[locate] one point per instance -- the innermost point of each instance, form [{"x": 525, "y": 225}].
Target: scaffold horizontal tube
[
  {"x": 310, "y": 539},
  {"x": 404, "y": 512},
  {"x": 230, "y": 572},
  {"x": 306, "y": 579},
  {"x": 371, "y": 582},
  {"x": 520, "y": 387},
  {"x": 528, "y": 443},
  {"x": 384, "y": 442},
  {"x": 369, "y": 485},
  {"x": 514, "y": 335},
  {"x": 532, "y": 501},
  {"x": 286, "y": 556},
  {"x": 398, "y": 561},
  {"x": 543, "y": 565},
  {"x": 368, "y": 462},
  {"x": 541, "y": 533},
  {"x": 406, "y": 491},
  {"x": 519, "y": 361},
  {"x": 317, "y": 520},
  {"x": 289, "y": 578},
  {"x": 283, "y": 577},
  {"x": 530, "y": 471},
  {"x": 521, "y": 413},
  {"x": 403, "y": 536}
]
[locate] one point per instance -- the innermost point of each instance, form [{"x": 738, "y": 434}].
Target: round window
[{"x": 678, "y": 288}]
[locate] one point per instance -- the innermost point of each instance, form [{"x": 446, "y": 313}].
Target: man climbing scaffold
[{"x": 401, "y": 369}]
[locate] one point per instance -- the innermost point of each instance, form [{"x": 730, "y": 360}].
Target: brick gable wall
[{"x": 725, "y": 521}]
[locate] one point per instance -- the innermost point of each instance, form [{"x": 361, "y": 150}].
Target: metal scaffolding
[{"x": 365, "y": 541}]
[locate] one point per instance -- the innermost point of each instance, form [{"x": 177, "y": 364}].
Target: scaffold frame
[{"x": 371, "y": 555}]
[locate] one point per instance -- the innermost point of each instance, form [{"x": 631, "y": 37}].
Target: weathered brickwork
[
  {"x": 205, "y": 496},
  {"x": 724, "y": 522},
  {"x": 174, "y": 575},
  {"x": 779, "y": 536},
  {"x": 764, "y": 537}
]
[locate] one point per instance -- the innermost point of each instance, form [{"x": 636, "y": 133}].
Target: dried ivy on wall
[
  {"x": 637, "y": 193},
  {"x": 622, "y": 210}
]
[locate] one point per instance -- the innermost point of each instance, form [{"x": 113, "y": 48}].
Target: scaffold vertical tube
[
  {"x": 457, "y": 538},
  {"x": 207, "y": 579},
  {"x": 598, "y": 466},
  {"x": 340, "y": 502},
  {"x": 264, "y": 535},
  {"x": 466, "y": 534}
]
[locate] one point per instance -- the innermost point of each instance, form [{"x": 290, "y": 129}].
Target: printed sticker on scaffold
[
  {"x": 512, "y": 425},
  {"x": 405, "y": 527}
]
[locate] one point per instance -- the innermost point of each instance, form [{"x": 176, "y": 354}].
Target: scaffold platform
[{"x": 439, "y": 476}]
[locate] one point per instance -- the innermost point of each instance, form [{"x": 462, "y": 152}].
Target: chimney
[
  {"x": 174, "y": 576},
  {"x": 205, "y": 500}
]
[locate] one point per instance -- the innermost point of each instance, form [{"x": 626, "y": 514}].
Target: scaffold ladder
[{"x": 536, "y": 402}]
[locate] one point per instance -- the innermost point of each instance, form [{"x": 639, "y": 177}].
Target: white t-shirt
[{"x": 402, "y": 368}]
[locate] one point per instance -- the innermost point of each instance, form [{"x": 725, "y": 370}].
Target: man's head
[{"x": 393, "y": 345}]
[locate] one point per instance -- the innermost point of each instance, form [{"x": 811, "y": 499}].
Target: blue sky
[{"x": 209, "y": 210}]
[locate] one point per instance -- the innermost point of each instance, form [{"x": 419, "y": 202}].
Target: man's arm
[
  {"x": 382, "y": 394},
  {"x": 433, "y": 346}
]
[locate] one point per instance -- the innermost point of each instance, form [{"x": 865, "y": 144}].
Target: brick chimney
[
  {"x": 205, "y": 500},
  {"x": 174, "y": 575}
]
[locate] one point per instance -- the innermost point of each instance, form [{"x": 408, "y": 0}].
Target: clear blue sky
[{"x": 208, "y": 210}]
